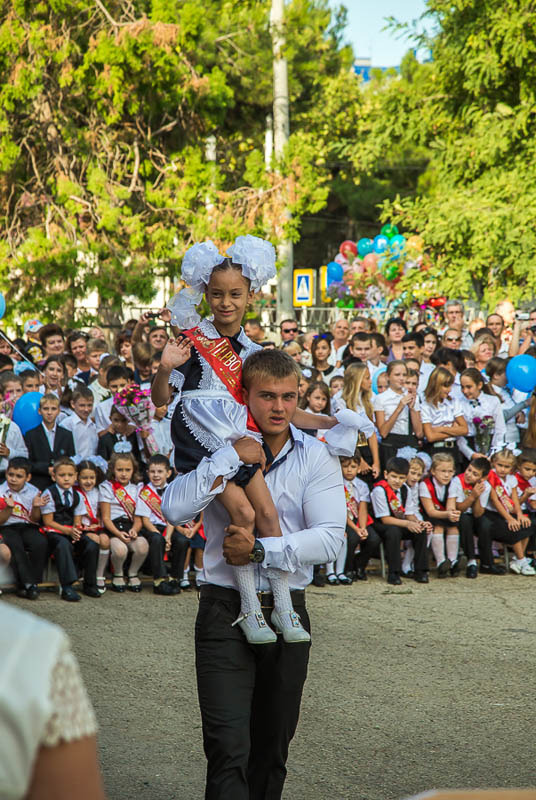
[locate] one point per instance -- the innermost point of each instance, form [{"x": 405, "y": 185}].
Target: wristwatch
[{"x": 257, "y": 554}]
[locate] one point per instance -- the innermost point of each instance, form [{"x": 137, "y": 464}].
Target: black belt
[
  {"x": 266, "y": 599},
  {"x": 447, "y": 443}
]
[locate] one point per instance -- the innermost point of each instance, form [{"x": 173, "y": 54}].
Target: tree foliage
[
  {"x": 105, "y": 110},
  {"x": 469, "y": 117}
]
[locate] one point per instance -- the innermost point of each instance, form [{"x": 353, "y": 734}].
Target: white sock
[
  {"x": 438, "y": 547},
  {"x": 104, "y": 555},
  {"x": 453, "y": 541},
  {"x": 330, "y": 568},
  {"x": 341, "y": 558},
  {"x": 409, "y": 555},
  {"x": 199, "y": 570},
  {"x": 471, "y": 562},
  {"x": 280, "y": 589},
  {"x": 245, "y": 578}
]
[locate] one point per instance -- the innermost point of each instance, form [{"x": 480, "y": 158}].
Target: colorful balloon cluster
[{"x": 378, "y": 262}]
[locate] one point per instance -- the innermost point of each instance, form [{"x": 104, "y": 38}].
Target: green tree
[
  {"x": 105, "y": 108},
  {"x": 469, "y": 114}
]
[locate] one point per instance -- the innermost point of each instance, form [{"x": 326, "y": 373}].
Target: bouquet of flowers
[
  {"x": 135, "y": 404},
  {"x": 483, "y": 433},
  {"x": 6, "y": 414}
]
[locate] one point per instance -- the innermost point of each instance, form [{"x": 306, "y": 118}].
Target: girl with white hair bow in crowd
[{"x": 204, "y": 366}]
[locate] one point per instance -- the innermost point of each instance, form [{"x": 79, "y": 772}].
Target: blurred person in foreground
[{"x": 47, "y": 724}]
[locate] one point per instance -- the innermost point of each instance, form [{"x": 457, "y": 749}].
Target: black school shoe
[
  {"x": 68, "y": 593},
  {"x": 422, "y": 577},
  {"x": 471, "y": 571},
  {"x": 492, "y": 569},
  {"x": 91, "y": 590},
  {"x": 394, "y": 579},
  {"x": 28, "y": 592},
  {"x": 165, "y": 588}
]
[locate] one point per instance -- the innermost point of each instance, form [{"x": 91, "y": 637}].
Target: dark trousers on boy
[
  {"x": 65, "y": 551},
  {"x": 368, "y": 548},
  {"x": 28, "y": 549},
  {"x": 177, "y": 554},
  {"x": 391, "y": 536},
  {"x": 493, "y": 527},
  {"x": 157, "y": 551}
]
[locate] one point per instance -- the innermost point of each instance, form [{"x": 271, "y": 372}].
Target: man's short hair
[
  {"x": 256, "y": 322},
  {"x": 108, "y": 361},
  {"x": 454, "y": 304},
  {"x": 444, "y": 355},
  {"x": 283, "y": 321},
  {"x": 141, "y": 354},
  {"x": 379, "y": 338},
  {"x": 398, "y": 465},
  {"x": 26, "y": 375},
  {"x": 269, "y": 364},
  {"x": 414, "y": 336},
  {"x": 19, "y": 462}
]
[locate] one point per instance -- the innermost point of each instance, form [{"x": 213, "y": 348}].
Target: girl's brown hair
[
  {"x": 352, "y": 393},
  {"x": 474, "y": 375},
  {"x": 439, "y": 378},
  {"x": 396, "y": 363},
  {"x": 322, "y": 387},
  {"x": 314, "y": 347},
  {"x": 110, "y": 474},
  {"x": 529, "y": 440}
]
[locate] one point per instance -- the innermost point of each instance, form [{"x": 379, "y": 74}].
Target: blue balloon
[
  {"x": 2, "y": 305},
  {"x": 521, "y": 373},
  {"x": 335, "y": 272},
  {"x": 380, "y": 244},
  {"x": 375, "y": 377},
  {"x": 26, "y": 412},
  {"x": 364, "y": 247},
  {"x": 398, "y": 242}
]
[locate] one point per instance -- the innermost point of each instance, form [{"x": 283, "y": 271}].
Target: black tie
[
  {"x": 66, "y": 497},
  {"x": 161, "y": 491}
]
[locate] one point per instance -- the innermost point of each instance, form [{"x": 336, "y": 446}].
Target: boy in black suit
[{"x": 47, "y": 442}]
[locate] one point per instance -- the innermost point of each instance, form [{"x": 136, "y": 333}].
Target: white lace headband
[{"x": 256, "y": 256}]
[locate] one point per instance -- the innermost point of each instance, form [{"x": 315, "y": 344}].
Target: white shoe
[
  {"x": 288, "y": 623},
  {"x": 527, "y": 569},
  {"x": 255, "y": 628},
  {"x": 515, "y": 566},
  {"x": 184, "y": 583}
]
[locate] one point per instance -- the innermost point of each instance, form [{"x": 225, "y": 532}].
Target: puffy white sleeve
[{"x": 72, "y": 713}]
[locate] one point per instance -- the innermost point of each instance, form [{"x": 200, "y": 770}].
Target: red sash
[
  {"x": 92, "y": 518},
  {"x": 353, "y": 506},
  {"x": 522, "y": 482},
  {"x": 438, "y": 505},
  {"x": 19, "y": 510},
  {"x": 225, "y": 362},
  {"x": 395, "y": 505},
  {"x": 153, "y": 501},
  {"x": 501, "y": 490},
  {"x": 467, "y": 487},
  {"x": 124, "y": 499}
]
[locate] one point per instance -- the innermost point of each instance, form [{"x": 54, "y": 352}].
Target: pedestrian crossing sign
[{"x": 304, "y": 287}]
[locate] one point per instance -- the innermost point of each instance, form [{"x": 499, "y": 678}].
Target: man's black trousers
[{"x": 249, "y": 697}]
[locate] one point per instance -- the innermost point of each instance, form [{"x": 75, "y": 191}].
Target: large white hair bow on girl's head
[{"x": 256, "y": 257}]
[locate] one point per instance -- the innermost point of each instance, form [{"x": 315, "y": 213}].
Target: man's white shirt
[{"x": 306, "y": 485}]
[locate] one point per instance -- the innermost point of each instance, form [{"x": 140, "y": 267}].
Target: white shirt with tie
[{"x": 306, "y": 485}]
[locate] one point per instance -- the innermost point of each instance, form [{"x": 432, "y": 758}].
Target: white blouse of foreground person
[{"x": 47, "y": 725}]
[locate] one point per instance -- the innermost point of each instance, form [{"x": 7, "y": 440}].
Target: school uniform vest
[{"x": 64, "y": 514}]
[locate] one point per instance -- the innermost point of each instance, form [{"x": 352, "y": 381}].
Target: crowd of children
[{"x": 445, "y": 475}]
